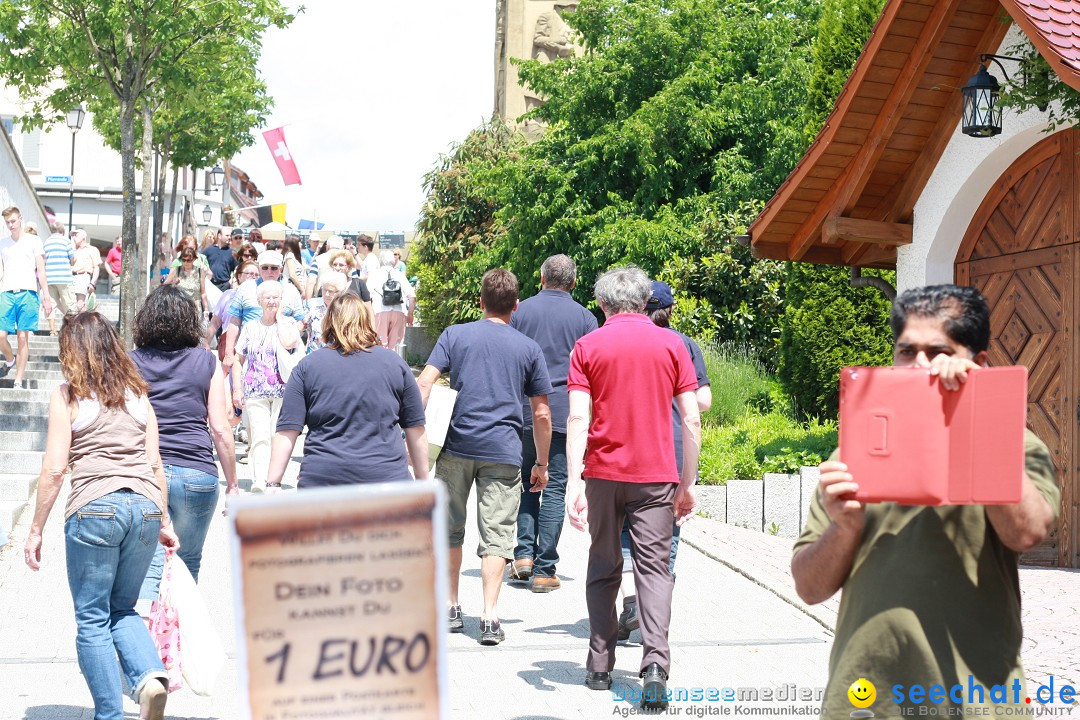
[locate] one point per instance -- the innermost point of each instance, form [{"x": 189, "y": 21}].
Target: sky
[{"x": 370, "y": 93}]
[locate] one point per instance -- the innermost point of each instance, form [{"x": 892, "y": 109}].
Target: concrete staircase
[{"x": 24, "y": 419}]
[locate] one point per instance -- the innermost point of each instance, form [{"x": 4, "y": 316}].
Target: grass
[{"x": 750, "y": 428}]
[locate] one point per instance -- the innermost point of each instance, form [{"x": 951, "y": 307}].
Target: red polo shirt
[{"x": 632, "y": 369}]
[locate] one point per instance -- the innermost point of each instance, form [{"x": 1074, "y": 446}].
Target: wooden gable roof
[{"x": 850, "y": 200}]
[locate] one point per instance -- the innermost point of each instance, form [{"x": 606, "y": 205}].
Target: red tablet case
[{"x": 906, "y": 439}]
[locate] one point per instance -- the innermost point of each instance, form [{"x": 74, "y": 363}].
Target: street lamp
[
  {"x": 217, "y": 176},
  {"x": 207, "y": 213},
  {"x": 75, "y": 118}
]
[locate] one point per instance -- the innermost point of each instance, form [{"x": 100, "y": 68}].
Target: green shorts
[{"x": 498, "y": 492}]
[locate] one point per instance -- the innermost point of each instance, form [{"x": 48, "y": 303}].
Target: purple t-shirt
[
  {"x": 179, "y": 390},
  {"x": 491, "y": 366},
  {"x": 355, "y": 407}
]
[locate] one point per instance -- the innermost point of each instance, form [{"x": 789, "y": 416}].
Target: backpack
[{"x": 391, "y": 291}]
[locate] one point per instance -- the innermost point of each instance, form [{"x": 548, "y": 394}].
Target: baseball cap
[
  {"x": 661, "y": 296},
  {"x": 335, "y": 242},
  {"x": 271, "y": 257},
  {"x": 236, "y": 231}
]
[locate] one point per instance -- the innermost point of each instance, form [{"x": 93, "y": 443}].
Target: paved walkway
[{"x": 736, "y": 624}]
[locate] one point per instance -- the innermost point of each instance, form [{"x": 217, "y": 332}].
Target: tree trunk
[
  {"x": 172, "y": 201},
  {"x": 160, "y": 248},
  {"x": 128, "y": 300},
  {"x": 147, "y": 155}
]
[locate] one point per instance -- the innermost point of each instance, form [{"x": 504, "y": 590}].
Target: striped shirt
[{"x": 59, "y": 250}]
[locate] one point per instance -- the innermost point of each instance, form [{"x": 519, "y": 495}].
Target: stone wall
[{"x": 777, "y": 504}]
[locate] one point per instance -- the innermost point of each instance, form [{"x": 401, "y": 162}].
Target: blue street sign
[{"x": 58, "y": 178}]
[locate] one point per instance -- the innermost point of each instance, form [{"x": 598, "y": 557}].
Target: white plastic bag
[
  {"x": 439, "y": 411},
  {"x": 201, "y": 654}
]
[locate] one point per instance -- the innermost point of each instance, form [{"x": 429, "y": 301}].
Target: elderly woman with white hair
[
  {"x": 334, "y": 284},
  {"x": 392, "y": 299},
  {"x": 258, "y": 376}
]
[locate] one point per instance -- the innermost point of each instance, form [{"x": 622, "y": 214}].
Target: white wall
[{"x": 968, "y": 168}]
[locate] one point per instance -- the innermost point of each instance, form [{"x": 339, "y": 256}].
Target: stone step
[
  {"x": 10, "y": 512},
  {"x": 25, "y": 440},
  {"x": 20, "y": 423},
  {"x": 17, "y": 486},
  {"x": 11, "y": 404},
  {"x": 29, "y": 384},
  {"x": 46, "y": 375},
  {"x": 19, "y": 462}
]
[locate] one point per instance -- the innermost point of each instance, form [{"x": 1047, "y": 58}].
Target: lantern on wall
[{"x": 982, "y": 111}]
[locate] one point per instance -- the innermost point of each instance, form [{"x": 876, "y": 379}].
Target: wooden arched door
[{"x": 1020, "y": 251}]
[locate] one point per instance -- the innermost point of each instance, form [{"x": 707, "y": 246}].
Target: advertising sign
[{"x": 340, "y": 602}]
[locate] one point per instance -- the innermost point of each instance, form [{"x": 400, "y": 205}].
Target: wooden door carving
[{"x": 1019, "y": 252}]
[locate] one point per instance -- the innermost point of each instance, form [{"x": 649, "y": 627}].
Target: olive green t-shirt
[{"x": 933, "y": 597}]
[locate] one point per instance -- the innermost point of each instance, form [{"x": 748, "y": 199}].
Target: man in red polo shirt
[{"x": 622, "y": 380}]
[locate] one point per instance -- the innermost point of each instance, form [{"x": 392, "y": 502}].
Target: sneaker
[
  {"x": 457, "y": 624},
  {"x": 491, "y": 633},
  {"x": 628, "y": 621},
  {"x": 545, "y": 583},
  {"x": 258, "y": 487},
  {"x": 152, "y": 699},
  {"x": 521, "y": 569},
  {"x": 654, "y": 688},
  {"x": 4, "y": 368}
]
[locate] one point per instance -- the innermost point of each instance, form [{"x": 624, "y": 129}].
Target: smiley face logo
[{"x": 862, "y": 693}]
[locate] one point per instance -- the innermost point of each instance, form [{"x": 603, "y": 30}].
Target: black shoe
[
  {"x": 598, "y": 680},
  {"x": 628, "y": 620},
  {"x": 491, "y": 633},
  {"x": 654, "y": 688},
  {"x": 456, "y": 623}
]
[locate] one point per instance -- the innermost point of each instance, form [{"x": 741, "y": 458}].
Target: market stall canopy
[
  {"x": 274, "y": 231},
  {"x": 851, "y": 198}
]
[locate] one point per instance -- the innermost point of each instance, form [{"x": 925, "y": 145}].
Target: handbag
[
  {"x": 165, "y": 626},
  {"x": 201, "y": 654},
  {"x": 287, "y": 359}
]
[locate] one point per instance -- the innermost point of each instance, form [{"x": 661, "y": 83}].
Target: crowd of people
[{"x": 542, "y": 426}]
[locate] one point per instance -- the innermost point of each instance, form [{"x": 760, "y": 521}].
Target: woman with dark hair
[
  {"x": 246, "y": 253},
  {"x": 294, "y": 268},
  {"x": 354, "y": 428},
  {"x": 187, "y": 388},
  {"x": 101, "y": 422},
  {"x": 192, "y": 278}
]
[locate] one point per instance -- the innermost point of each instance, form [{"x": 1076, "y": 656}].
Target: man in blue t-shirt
[
  {"x": 491, "y": 367},
  {"x": 221, "y": 261},
  {"x": 555, "y": 321}
]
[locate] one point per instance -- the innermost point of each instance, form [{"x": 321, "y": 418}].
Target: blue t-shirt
[
  {"x": 555, "y": 321},
  {"x": 355, "y": 407},
  {"x": 702, "y": 380},
  {"x": 221, "y": 262},
  {"x": 59, "y": 251},
  {"x": 491, "y": 366}
]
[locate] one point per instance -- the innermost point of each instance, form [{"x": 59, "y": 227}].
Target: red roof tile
[{"x": 1054, "y": 28}]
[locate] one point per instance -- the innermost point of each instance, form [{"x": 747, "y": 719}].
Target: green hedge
[{"x": 750, "y": 428}]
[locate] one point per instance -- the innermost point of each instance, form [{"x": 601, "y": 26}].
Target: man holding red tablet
[{"x": 931, "y": 594}]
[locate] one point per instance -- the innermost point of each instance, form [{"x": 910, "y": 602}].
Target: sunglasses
[{"x": 269, "y": 267}]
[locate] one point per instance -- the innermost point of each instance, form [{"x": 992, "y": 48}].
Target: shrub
[
  {"x": 756, "y": 444},
  {"x": 828, "y": 325},
  {"x": 738, "y": 382}
]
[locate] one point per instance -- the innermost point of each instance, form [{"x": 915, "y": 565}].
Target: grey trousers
[{"x": 649, "y": 509}]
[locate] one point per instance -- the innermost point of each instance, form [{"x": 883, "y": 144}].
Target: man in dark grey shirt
[{"x": 555, "y": 321}]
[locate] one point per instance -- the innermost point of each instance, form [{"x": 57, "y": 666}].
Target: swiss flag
[{"x": 276, "y": 140}]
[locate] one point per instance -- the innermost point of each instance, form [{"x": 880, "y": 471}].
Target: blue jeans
[
  {"x": 110, "y": 542},
  {"x": 193, "y": 496},
  {"x": 540, "y": 515}
]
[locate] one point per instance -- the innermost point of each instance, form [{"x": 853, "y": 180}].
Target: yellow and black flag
[{"x": 271, "y": 213}]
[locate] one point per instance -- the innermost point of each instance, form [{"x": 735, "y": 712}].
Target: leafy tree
[
  {"x": 843, "y": 30},
  {"x": 678, "y": 115},
  {"x": 829, "y": 325},
  {"x": 459, "y": 235},
  {"x": 130, "y": 53}
]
